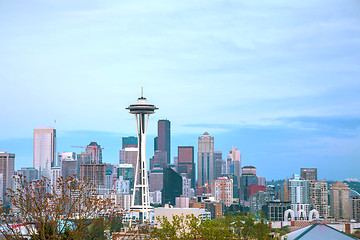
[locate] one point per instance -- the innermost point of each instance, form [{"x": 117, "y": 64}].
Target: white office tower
[
  {"x": 299, "y": 197},
  {"x": 44, "y": 151},
  {"x": 65, "y": 156},
  {"x": 142, "y": 111},
  {"x": 7, "y": 162}
]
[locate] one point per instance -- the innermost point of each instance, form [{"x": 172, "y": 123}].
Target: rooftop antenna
[{"x": 142, "y": 92}]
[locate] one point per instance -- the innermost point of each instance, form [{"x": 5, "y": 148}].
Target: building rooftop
[{"x": 318, "y": 232}]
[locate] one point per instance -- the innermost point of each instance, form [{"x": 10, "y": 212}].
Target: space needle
[{"x": 142, "y": 111}]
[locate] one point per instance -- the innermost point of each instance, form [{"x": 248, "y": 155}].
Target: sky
[{"x": 278, "y": 80}]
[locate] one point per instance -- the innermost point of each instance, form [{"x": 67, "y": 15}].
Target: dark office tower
[
  {"x": 186, "y": 162},
  {"x": 155, "y": 144},
  {"x": 248, "y": 178},
  {"x": 308, "y": 173},
  {"x": 172, "y": 185},
  {"x": 129, "y": 142},
  {"x": 218, "y": 164},
  {"x": 163, "y": 140}
]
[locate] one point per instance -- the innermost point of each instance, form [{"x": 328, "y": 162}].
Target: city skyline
[{"x": 278, "y": 81}]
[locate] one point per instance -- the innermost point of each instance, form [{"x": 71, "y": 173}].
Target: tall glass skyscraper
[
  {"x": 163, "y": 139},
  {"x": 206, "y": 162},
  {"x": 44, "y": 151}
]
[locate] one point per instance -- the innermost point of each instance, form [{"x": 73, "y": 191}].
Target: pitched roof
[
  {"x": 206, "y": 133},
  {"x": 318, "y": 232}
]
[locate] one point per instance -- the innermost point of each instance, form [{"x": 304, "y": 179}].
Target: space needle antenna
[{"x": 141, "y": 204}]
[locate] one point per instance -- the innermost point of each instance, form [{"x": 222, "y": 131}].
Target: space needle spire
[{"x": 142, "y": 110}]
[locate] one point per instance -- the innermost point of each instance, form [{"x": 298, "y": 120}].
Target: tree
[
  {"x": 69, "y": 209},
  {"x": 189, "y": 227}
]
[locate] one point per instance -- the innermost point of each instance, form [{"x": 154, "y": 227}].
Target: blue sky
[{"x": 279, "y": 80}]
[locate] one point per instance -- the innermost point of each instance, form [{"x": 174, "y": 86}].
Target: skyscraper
[
  {"x": 248, "y": 178},
  {"x": 298, "y": 190},
  {"x": 7, "y": 162},
  {"x": 299, "y": 196},
  {"x": 172, "y": 185},
  {"x": 129, "y": 142},
  {"x": 95, "y": 152},
  {"x": 65, "y": 156},
  {"x": 235, "y": 156},
  {"x": 308, "y": 173},
  {"x": 30, "y": 173},
  {"x": 186, "y": 162},
  {"x": 340, "y": 202},
  {"x": 44, "y": 151},
  {"x": 319, "y": 197},
  {"x": 218, "y": 164},
  {"x": 163, "y": 138},
  {"x": 205, "y": 159},
  {"x": 156, "y": 179},
  {"x": 95, "y": 173}
]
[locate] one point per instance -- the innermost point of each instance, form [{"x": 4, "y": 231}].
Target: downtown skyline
[{"x": 279, "y": 81}]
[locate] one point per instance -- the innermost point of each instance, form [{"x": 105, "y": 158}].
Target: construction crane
[{"x": 95, "y": 151}]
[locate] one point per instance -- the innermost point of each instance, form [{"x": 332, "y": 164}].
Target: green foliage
[{"x": 230, "y": 227}]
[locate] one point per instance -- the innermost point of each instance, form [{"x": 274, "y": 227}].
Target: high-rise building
[
  {"x": 7, "y": 163},
  {"x": 65, "y": 156},
  {"x": 129, "y": 156},
  {"x": 186, "y": 186},
  {"x": 29, "y": 172},
  {"x": 223, "y": 190},
  {"x": 44, "y": 151},
  {"x": 158, "y": 159},
  {"x": 55, "y": 174},
  {"x": 228, "y": 167},
  {"x": 163, "y": 140},
  {"x": 318, "y": 197},
  {"x": 156, "y": 179},
  {"x": 340, "y": 202},
  {"x": 95, "y": 152},
  {"x": 129, "y": 142},
  {"x": 308, "y": 173},
  {"x": 172, "y": 185},
  {"x": 249, "y": 169},
  {"x": 258, "y": 200},
  {"x": 68, "y": 163},
  {"x": 69, "y": 168},
  {"x": 186, "y": 162},
  {"x": 95, "y": 173},
  {"x": 356, "y": 208},
  {"x": 127, "y": 171},
  {"x": 248, "y": 178},
  {"x": 205, "y": 159},
  {"x": 235, "y": 156},
  {"x": 298, "y": 190},
  {"x": 218, "y": 164}
]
